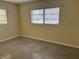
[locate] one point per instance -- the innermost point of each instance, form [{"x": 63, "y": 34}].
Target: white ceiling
[{"x": 19, "y": 1}]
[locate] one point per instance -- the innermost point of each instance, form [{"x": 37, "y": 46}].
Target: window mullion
[{"x": 44, "y": 16}]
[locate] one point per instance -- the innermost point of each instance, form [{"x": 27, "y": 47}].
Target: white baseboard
[
  {"x": 65, "y": 44},
  {"x": 9, "y": 38}
]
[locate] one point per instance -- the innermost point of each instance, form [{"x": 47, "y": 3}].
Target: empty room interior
[{"x": 39, "y": 29}]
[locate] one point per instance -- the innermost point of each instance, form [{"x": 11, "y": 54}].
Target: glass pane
[
  {"x": 51, "y": 19},
  {"x": 3, "y": 16},
  {"x": 39, "y": 11},
  {"x": 52, "y": 10},
  {"x": 38, "y": 19},
  {"x": 52, "y": 16}
]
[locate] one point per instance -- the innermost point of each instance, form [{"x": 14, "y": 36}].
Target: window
[
  {"x": 45, "y": 16},
  {"x": 3, "y": 16},
  {"x": 37, "y": 16}
]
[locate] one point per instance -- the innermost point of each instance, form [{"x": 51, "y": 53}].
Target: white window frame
[
  {"x": 45, "y": 14},
  {"x": 5, "y": 17}
]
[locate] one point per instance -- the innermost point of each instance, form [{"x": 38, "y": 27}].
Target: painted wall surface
[
  {"x": 10, "y": 29},
  {"x": 66, "y": 32}
]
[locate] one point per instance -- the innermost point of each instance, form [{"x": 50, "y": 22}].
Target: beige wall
[
  {"x": 66, "y": 32},
  {"x": 10, "y": 29}
]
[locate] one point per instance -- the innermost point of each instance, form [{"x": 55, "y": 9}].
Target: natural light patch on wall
[{"x": 3, "y": 16}]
